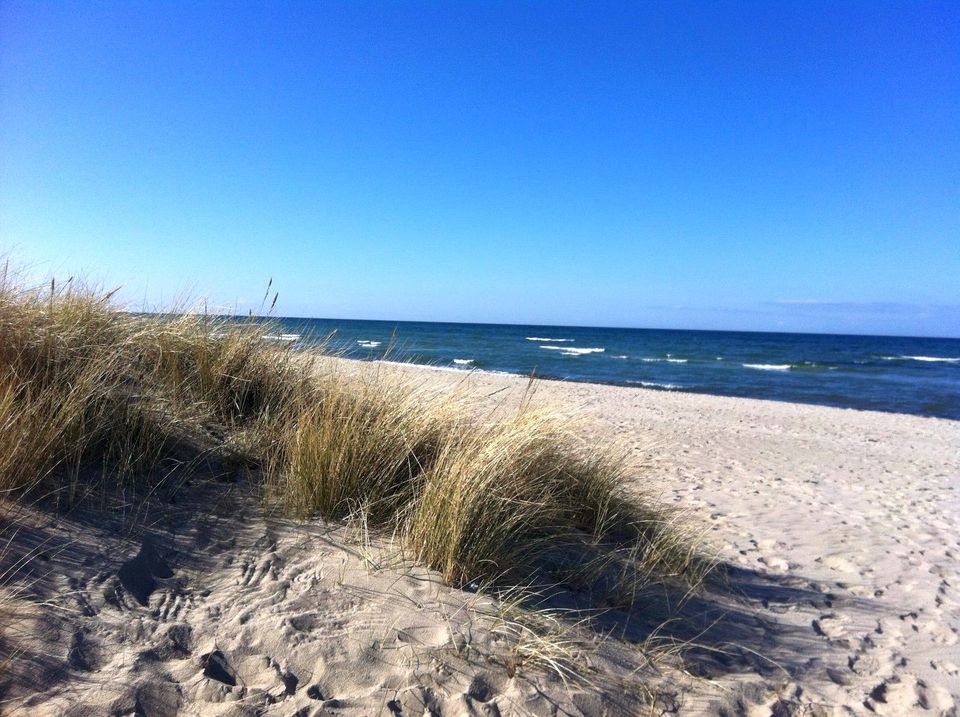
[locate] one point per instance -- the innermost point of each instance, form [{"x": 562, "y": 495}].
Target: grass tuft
[{"x": 95, "y": 399}]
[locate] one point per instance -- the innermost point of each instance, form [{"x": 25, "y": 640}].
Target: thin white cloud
[{"x": 864, "y": 307}]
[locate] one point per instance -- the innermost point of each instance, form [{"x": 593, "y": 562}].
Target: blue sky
[{"x": 749, "y": 165}]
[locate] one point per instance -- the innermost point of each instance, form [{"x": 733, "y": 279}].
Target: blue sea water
[{"x": 907, "y": 375}]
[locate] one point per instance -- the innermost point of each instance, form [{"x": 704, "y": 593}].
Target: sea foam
[
  {"x": 447, "y": 369},
  {"x": 929, "y": 359},
  {"x": 281, "y": 337},
  {"x": 369, "y": 344},
  {"x": 654, "y": 384},
  {"x": 540, "y": 338},
  {"x": 463, "y": 362},
  {"x": 571, "y": 351},
  {"x": 768, "y": 366}
]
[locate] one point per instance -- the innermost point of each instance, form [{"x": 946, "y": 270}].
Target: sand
[{"x": 835, "y": 530}]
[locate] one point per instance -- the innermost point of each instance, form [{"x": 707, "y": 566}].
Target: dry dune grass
[
  {"x": 85, "y": 388},
  {"x": 476, "y": 497},
  {"x": 94, "y": 400}
]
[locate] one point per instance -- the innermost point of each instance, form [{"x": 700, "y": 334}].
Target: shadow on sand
[{"x": 739, "y": 622}]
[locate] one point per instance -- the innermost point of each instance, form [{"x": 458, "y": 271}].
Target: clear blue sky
[{"x": 749, "y": 165}]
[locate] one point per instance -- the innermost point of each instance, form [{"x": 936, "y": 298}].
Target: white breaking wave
[
  {"x": 922, "y": 358},
  {"x": 463, "y": 362},
  {"x": 654, "y": 384},
  {"x": 768, "y": 366},
  {"x": 282, "y": 337},
  {"x": 621, "y": 356},
  {"x": 571, "y": 351},
  {"x": 449, "y": 369},
  {"x": 540, "y": 338},
  {"x": 453, "y": 369},
  {"x": 369, "y": 344},
  {"x": 661, "y": 360}
]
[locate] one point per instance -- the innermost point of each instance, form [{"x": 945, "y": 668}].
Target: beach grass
[{"x": 95, "y": 400}]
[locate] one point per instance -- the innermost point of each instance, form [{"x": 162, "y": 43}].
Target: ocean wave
[
  {"x": 463, "y": 362},
  {"x": 768, "y": 366},
  {"x": 448, "y": 369},
  {"x": 620, "y": 356},
  {"x": 651, "y": 359},
  {"x": 369, "y": 344},
  {"x": 811, "y": 365},
  {"x": 928, "y": 359},
  {"x": 281, "y": 337},
  {"x": 431, "y": 367},
  {"x": 654, "y": 384},
  {"x": 570, "y": 351},
  {"x": 540, "y": 338}
]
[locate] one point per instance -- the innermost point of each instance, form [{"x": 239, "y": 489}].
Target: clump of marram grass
[
  {"x": 226, "y": 367},
  {"x": 62, "y": 384},
  {"x": 475, "y": 498},
  {"x": 353, "y": 443},
  {"x": 88, "y": 390},
  {"x": 492, "y": 492},
  {"x": 504, "y": 497}
]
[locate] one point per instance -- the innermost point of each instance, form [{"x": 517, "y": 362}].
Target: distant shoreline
[
  {"x": 849, "y": 510},
  {"x": 892, "y": 375},
  {"x": 466, "y": 371}
]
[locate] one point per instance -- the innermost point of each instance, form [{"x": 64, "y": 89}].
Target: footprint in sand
[
  {"x": 941, "y": 634},
  {"x": 140, "y": 574},
  {"x": 946, "y": 667},
  {"x": 904, "y": 694},
  {"x": 778, "y": 564},
  {"x": 830, "y": 625},
  {"x": 838, "y": 563}
]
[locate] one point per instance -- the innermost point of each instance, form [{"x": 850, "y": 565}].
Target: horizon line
[{"x": 563, "y": 326}]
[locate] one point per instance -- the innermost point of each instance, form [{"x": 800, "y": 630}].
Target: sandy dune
[
  {"x": 229, "y": 613},
  {"x": 845, "y": 522},
  {"x": 836, "y": 529}
]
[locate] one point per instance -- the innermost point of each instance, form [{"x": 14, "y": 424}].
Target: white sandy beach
[{"x": 837, "y": 527}]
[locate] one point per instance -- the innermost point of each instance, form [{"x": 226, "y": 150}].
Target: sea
[{"x": 919, "y": 376}]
